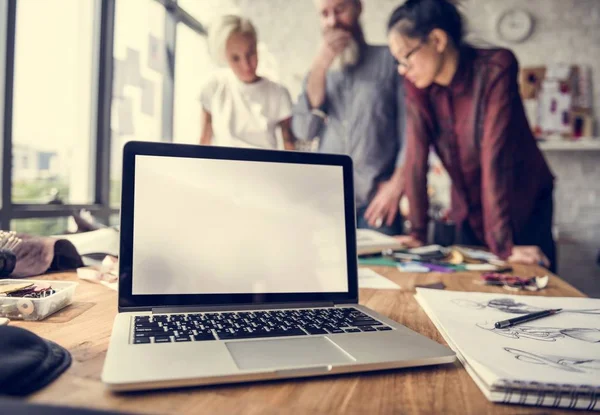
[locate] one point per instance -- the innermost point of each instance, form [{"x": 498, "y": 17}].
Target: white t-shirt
[{"x": 245, "y": 115}]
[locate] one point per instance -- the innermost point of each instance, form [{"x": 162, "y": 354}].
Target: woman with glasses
[{"x": 464, "y": 102}]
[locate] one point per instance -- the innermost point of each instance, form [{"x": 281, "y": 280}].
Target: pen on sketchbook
[{"x": 528, "y": 317}]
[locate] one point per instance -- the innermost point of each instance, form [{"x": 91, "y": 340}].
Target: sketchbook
[{"x": 553, "y": 361}]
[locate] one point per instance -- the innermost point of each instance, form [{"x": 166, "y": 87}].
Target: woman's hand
[
  {"x": 409, "y": 241},
  {"x": 385, "y": 205},
  {"x": 207, "y": 131},
  {"x": 528, "y": 255},
  {"x": 289, "y": 141}
]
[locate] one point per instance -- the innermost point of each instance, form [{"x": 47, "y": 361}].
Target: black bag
[{"x": 28, "y": 362}]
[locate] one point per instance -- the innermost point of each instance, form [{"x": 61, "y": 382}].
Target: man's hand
[
  {"x": 528, "y": 255},
  {"x": 333, "y": 43},
  {"x": 385, "y": 205}
]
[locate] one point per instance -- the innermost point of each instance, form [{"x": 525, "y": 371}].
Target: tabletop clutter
[
  {"x": 25, "y": 255},
  {"x": 32, "y": 300},
  {"x": 107, "y": 273},
  {"x": 22, "y": 299},
  {"x": 436, "y": 258}
]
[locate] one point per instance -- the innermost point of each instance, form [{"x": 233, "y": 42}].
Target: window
[
  {"x": 40, "y": 227},
  {"x": 139, "y": 67},
  {"x": 204, "y": 11},
  {"x": 192, "y": 70},
  {"x": 52, "y": 123},
  {"x": 57, "y": 71}
]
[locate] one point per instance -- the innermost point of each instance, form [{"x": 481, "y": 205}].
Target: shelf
[{"x": 587, "y": 144}]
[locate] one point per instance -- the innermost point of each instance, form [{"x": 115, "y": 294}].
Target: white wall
[{"x": 565, "y": 30}]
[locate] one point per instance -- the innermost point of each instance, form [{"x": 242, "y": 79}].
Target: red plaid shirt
[{"x": 477, "y": 126}]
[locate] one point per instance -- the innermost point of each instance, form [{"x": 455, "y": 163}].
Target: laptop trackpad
[{"x": 280, "y": 353}]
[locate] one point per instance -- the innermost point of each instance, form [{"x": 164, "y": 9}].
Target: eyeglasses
[{"x": 404, "y": 63}]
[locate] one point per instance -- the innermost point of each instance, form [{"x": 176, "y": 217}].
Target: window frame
[{"x": 102, "y": 63}]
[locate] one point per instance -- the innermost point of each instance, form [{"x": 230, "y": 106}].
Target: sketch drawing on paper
[
  {"x": 547, "y": 334},
  {"x": 569, "y": 364},
  {"x": 508, "y": 305}
]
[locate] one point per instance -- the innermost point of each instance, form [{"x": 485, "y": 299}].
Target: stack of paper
[{"x": 372, "y": 242}]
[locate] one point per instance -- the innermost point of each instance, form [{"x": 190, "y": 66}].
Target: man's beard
[{"x": 348, "y": 57}]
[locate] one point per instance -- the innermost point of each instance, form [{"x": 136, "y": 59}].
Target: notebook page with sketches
[{"x": 553, "y": 361}]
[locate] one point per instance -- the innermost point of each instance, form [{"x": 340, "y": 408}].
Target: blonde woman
[{"x": 239, "y": 107}]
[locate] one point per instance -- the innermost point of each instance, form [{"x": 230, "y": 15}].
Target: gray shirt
[{"x": 364, "y": 108}]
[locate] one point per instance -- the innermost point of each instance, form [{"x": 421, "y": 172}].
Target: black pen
[{"x": 528, "y": 317}]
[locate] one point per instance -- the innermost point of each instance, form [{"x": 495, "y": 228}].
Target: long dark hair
[{"x": 417, "y": 18}]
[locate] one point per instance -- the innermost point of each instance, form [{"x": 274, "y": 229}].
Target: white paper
[
  {"x": 93, "y": 274},
  {"x": 156, "y": 53},
  {"x": 560, "y": 71},
  {"x": 478, "y": 254},
  {"x": 370, "y": 241},
  {"x": 147, "y": 97},
  {"x": 427, "y": 249},
  {"x": 564, "y": 348},
  {"x": 412, "y": 267},
  {"x": 553, "y": 104},
  {"x": 367, "y": 278}
]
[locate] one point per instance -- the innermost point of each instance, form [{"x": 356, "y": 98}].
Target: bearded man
[{"x": 353, "y": 102}]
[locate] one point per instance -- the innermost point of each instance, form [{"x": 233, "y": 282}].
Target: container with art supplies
[{"x": 34, "y": 299}]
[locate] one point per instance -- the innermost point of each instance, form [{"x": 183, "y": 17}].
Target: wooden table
[{"x": 84, "y": 328}]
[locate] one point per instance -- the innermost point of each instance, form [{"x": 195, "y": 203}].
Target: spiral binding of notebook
[
  {"x": 534, "y": 393},
  {"x": 550, "y": 395}
]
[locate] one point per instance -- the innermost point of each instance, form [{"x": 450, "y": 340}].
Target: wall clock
[{"x": 515, "y": 25}]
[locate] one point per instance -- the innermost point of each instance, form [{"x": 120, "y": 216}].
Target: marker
[{"x": 528, "y": 317}]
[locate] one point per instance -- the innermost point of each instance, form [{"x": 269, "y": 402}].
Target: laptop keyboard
[{"x": 169, "y": 328}]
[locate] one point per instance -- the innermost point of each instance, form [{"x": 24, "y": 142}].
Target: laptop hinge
[
  {"x": 238, "y": 307},
  {"x": 345, "y": 303}
]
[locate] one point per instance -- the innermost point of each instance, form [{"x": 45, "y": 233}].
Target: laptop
[{"x": 240, "y": 265}]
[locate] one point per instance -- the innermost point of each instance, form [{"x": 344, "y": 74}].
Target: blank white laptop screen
[{"x": 206, "y": 226}]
